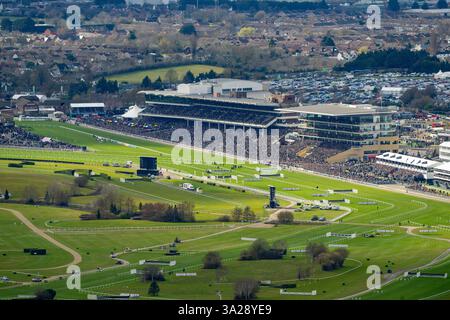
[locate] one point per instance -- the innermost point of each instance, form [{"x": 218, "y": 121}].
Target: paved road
[{"x": 76, "y": 256}]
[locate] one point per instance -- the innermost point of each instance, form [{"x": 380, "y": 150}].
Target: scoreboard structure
[
  {"x": 272, "y": 197},
  {"x": 148, "y": 166}
]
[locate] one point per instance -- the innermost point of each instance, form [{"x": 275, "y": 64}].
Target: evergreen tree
[
  {"x": 442, "y": 4},
  {"x": 146, "y": 83},
  {"x": 132, "y": 35},
  {"x": 24, "y": 25},
  {"x": 212, "y": 74},
  {"x": 188, "y": 77},
  {"x": 154, "y": 288},
  {"x": 415, "y": 5},
  {"x": 98, "y": 214},
  {"x": 6, "y": 195},
  {"x": 393, "y": 5},
  {"x": 188, "y": 29},
  {"x": 327, "y": 41},
  {"x": 6, "y": 25},
  {"x": 158, "y": 84},
  {"x": 47, "y": 197},
  {"x": 425, "y": 6},
  {"x": 106, "y": 86}
]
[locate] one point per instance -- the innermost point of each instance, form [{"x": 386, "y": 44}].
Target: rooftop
[
  {"x": 408, "y": 160},
  {"x": 210, "y": 97},
  {"x": 443, "y": 167},
  {"x": 339, "y": 109},
  {"x": 88, "y": 105}
]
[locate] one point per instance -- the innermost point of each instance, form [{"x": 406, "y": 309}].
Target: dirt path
[
  {"x": 76, "y": 256},
  {"x": 274, "y": 216}
]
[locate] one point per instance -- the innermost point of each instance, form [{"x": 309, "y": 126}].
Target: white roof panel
[
  {"x": 408, "y": 160},
  {"x": 88, "y": 105}
]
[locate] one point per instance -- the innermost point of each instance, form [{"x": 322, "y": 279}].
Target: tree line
[
  {"x": 412, "y": 61},
  {"x": 172, "y": 77},
  {"x": 20, "y": 24}
]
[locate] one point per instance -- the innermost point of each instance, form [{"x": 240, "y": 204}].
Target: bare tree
[
  {"x": 245, "y": 289},
  {"x": 30, "y": 194},
  {"x": 304, "y": 271}
]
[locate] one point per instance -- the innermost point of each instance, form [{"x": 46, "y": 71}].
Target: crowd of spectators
[
  {"x": 308, "y": 154},
  {"x": 312, "y": 155},
  {"x": 425, "y": 188},
  {"x": 154, "y": 128},
  {"x": 11, "y": 135}
]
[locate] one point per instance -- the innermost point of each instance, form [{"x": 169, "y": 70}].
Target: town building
[
  {"x": 366, "y": 130},
  {"x": 220, "y": 86},
  {"x": 442, "y": 175}
]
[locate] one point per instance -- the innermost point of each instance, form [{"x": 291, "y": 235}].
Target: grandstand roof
[
  {"x": 88, "y": 105},
  {"x": 132, "y": 112},
  {"x": 444, "y": 167},
  {"x": 338, "y": 109},
  {"x": 210, "y": 97},
  {"x": 408, "y": 160}
]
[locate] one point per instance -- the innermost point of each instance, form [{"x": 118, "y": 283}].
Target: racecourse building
[
  {"x": 424, "y": 166},
  {"x": 362, "y": 130},
  {"x": 220, "y": 103},
  {"x": 365, "y": 129},
  {"x": 86, "y": 109}
]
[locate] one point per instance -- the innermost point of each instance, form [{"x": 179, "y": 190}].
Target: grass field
[
  {"x": 405, "y": 248},
  {"x": 153, "y": 74}
]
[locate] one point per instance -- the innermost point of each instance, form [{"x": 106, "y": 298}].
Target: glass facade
[{"x": 355, "y": 130}]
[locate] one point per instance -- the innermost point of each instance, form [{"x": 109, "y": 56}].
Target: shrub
[
  {"x": 212, "y": 260},
  {"x": 183, "y": 212},
  {"x": 47, "y": 294},
  {"x": 260, "y": 249},
  {"x": 152, "y": 273},
  {"x": 285, "y": 217},
  {"x": 224, "y": 218},
  {"x": 81, "y": 181},
  {"x": 15, "y": 165},
  {"x": 304, "y": 271},
  {"x": 315, "y": 249}
]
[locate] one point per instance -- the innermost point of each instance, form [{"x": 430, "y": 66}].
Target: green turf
[
  {"x": 394, "y": 252},
  {"x": 153, "y": 74}
]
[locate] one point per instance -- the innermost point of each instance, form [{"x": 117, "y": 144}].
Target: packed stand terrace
[
  {"x": 11, "y": 135},
  {"x": 158, "y": 128},
  {"x": 154, "y": 128},
  {"x": 315, "y": 159}
]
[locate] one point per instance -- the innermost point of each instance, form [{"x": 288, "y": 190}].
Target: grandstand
[
  {"x": 397, "y": 160},
  {"x": 231, "y": 111}
]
